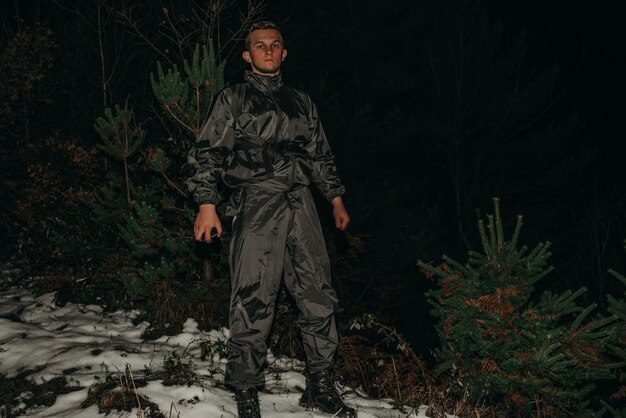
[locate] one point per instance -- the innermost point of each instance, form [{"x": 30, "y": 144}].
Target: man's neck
[{"x": 264, "y": 82}]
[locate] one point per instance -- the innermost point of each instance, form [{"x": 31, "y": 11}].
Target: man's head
[{"x": 265, "y": 49}]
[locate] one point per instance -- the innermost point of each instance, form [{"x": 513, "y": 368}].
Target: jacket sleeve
[
  {"x": 325, "y": 171},
  {"x": 213, "y": 144}
]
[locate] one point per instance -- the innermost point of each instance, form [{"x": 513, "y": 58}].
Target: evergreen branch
[
  {"x": 581, "y": 317},
  {"x": 197, "y": 112},
  {"x": 516, "y": 232},
  {"x": 514, "y": 258},
  {"x": 619, "y": 365},
  {"x": 615, "y": 413},
  {"x": 483, "y": 239},
  {"x": 455, "y": 264},
  {"x": 540, "y": 275},
  {"x": 476, "y": 255},
  {"x": 492, "y": 234},
  {"x": 543, "y": 253},
  {"x": 534, "y": 253},
  {"x": 472, "y": 273},
  {"x": 620, "y": 351},
  {"x": 618, "y": 276},
  {"x": 598, "y": 323},
  {"x": 569, "y": 296},
  {"x": 499, "y": 230},
  {"x": 431, "y": 269}
]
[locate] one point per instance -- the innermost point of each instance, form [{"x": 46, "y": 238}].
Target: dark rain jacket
[{"x": 262, "y": 132}]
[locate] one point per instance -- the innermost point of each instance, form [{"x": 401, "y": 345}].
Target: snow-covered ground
[{"x": 86, "y": 345}]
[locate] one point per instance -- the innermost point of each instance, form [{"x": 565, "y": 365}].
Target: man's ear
[
  {"x": 284, "y": 55},
  {"x": 246, "y": 56}
]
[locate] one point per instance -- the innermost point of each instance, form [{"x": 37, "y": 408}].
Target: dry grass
[
  {"x": 403, "y": 376},
  {"x": 119, "y": 393}
]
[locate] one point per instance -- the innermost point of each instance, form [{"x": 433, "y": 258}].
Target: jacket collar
[{"x": 264, "y": 82}]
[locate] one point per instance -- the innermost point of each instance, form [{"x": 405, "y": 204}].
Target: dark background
[{"x": 432, "y": 108}]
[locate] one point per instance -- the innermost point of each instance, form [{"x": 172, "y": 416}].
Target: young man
[{"x": 265, "y": 141}]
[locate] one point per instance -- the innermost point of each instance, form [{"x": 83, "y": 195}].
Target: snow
[{"x": 86, "y": 345}]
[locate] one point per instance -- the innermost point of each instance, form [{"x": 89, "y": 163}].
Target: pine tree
[
  {"x": 528, "y": 355},
  {"x": 617, "y": 307},
  {"x": 186, "y": 98},
  {"x": 121, "y": 139},
  {"x": 144, "y": 197}
]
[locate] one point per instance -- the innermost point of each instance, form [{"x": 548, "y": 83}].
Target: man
[{"x": 265, "y": 141}]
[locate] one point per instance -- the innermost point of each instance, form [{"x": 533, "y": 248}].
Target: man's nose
[{"x": 268, "y": 51}]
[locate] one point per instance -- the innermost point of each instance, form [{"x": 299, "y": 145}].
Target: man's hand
[
  {"x": 206, "y": 220},
  {"x": 339, "y": 212}
]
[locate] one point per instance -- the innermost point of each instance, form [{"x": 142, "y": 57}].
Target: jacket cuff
[
  {"x": 203, "y": 200},
  {"x": 207, "y": 203},
  {"x": 335, "y": 193}
]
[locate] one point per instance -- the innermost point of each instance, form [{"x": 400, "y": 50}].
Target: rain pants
[{"x": 264, "y": 140}]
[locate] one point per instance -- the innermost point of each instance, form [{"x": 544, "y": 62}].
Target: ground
[{"x": 103, "y": 362}]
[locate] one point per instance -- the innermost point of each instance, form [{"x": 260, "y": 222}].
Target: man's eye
[{"x": 276, "y": 46}]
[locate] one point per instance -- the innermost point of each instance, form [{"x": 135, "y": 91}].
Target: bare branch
[{"x": 124, "y": 16}]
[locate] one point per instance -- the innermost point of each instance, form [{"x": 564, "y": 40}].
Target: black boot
[
  {"x": 321, "y": 394},
  {"x": 248, "y": 403}
]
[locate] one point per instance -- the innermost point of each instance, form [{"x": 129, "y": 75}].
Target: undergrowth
[{"x": 119, "y": 393}]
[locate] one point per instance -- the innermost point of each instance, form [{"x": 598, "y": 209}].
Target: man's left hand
[{"x": 339, "y": 212}]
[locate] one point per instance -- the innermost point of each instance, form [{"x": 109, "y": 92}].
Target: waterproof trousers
[{"x": 277, "y": 234}]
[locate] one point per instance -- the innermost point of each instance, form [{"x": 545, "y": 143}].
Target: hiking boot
[
  {"x": 320, "y": 394},
  {"x": 248, "y": 403}
]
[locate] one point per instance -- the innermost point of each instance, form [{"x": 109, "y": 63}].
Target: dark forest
[{"x": 439, "y": 113}]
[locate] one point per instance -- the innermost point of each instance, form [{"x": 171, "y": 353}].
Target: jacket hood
[{"x": 264, "y": 82}]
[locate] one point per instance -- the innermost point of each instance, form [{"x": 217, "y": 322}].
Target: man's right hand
[{"x": 206, "y": 220}]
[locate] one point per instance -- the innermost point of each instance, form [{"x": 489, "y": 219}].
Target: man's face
[{"x": 266, "y": 52}]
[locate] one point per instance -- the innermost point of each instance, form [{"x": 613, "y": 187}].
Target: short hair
[{"x": 262, "y": 25}]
